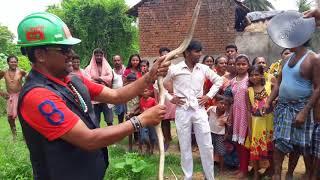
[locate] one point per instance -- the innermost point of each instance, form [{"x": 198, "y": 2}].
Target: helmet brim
[{"x": 70, "y": 41}]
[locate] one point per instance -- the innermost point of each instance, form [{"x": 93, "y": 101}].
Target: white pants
[{"x": 197, "y": 118}]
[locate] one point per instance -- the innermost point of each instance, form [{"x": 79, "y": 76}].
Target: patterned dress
[
  {"x": 260, "y": 144},
  {"x": 240, "y": 116}
]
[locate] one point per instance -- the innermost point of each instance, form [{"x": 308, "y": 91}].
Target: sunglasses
[{"x": 65, "y": 50}]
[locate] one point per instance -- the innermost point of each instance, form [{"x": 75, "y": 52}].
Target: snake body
[{"x": 183, "y": 46}]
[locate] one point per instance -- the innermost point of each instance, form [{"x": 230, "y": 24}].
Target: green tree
[
  {"x": 259, "y": 5},
  {"x": 6, "y": 42},
  {"x": 99, "y": 23},
  {"x": 303, "y": 5}
]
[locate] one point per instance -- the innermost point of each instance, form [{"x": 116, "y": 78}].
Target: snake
[{"x": 170, "y": 56}]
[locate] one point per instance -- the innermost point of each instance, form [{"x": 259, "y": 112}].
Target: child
[
  {"x": 218, "y": 116},
  {"x": 147, "y": 134},
  {"x": 240, "y": 112},
  {"x": 259, "y": 139},
  {"x": 144, "y": 66},
  {"x": 132, "y": 105}
]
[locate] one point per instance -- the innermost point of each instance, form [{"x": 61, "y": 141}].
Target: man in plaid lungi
[{"x": 298, "y": 89}]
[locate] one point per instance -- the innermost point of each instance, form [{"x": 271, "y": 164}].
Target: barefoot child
[
  {"x": 147, "y": 134},
  {"x": 240, "y": 112},
  {"x": 260, "y": 124},
  {"x": 132, "y": 105},
  {"x": 218, "y": 116}
]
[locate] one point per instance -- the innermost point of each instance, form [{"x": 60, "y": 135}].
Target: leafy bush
[
  {"x": 24, "y": 63},
  {"x": 132, "y": 167}
]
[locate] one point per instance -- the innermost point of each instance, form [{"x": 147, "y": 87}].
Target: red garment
[
  {"x": 47, "y": 113},
  {"x": 243, "y": 154},
  {"x": 147, "y": 103},
  {"x": 206, "y": 88},
  {"x": 128, "y": 71}
]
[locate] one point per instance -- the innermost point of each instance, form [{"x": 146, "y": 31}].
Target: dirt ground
[{"x": 299, "y": 171}]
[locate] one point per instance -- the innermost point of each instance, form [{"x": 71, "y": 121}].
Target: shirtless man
[{"x": 13, "y": 78}]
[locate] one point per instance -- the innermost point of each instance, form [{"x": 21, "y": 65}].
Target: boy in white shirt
[{"x": 218, "y": 116}]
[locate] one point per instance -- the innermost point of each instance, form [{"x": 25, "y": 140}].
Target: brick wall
[{"x": 166, "y": 22}]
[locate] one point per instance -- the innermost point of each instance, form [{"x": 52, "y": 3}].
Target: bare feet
[
  {"x": 276, "y": 177},
  {"x": 268, "y": 172},
  {"x": 235, "y": 172},
  {"x": 241, "y": 175}
]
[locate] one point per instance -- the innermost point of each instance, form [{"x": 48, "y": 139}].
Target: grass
[{"x": 15, "y": 163}]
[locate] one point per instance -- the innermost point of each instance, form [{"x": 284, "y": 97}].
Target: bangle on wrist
[{"x": 135, "y": 121}]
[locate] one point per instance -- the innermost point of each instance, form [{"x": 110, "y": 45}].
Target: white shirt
[
  {"x": 217, "y": 124},
  {"x": 117, "y": 80},
  {"x": 188, "y": 84}
]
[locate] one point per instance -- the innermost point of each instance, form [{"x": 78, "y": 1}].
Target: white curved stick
[{"x": 161, "y": 88}]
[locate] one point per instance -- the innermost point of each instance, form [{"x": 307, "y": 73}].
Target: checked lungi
[
  {"x": 286, "y": 135},
  {"x": 316, "y": 140}
]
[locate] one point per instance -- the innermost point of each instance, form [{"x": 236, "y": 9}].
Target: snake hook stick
[{"x": 161, "y": 88}]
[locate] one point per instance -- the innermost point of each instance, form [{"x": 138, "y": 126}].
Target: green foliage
[
  {"x": 99, "y": 23},
  {"x": 24, "y": 63},
  {"x": 14, "y": 156},
  {"x": 259, "y": 5},
  {"x": 132, "y": 167},
  {"x": 303, "y": 5},
  {"x": 3, "y": 61},
  {"x": 6, "y": 41}
]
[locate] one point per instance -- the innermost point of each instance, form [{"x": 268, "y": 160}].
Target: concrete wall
[{"x": 259, "y": 44}]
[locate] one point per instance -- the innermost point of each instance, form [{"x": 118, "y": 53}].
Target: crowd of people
[{"x": 240, "y": 111}]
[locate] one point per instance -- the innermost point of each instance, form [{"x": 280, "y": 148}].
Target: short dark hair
[
  {"x": 307, "y": 44},
  {"x": 260, "y": 70},
  {"x": 283, "y": 50},
  {"x": 232, "y": 46},
  {"x": 12, "y": 56},
  {"x": 131, "y": 77},
  {"x": 75, "y": 56},
  {"x": 146, "y": 62},
  {"x": 30, "y": 52},
  {"x": 225, "y": 98},
  {"x": 163, "y": 49},
  {"x": 98, "y": 51},
  {"x": 194, "y": 45}
]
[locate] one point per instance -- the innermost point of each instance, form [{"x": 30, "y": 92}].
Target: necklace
[
  {"x": 11, "y": 78},
  {"x": 79, "y": 98}
]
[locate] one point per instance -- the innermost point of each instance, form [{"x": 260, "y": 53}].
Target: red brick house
[{"x": 166, "y": 22}]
